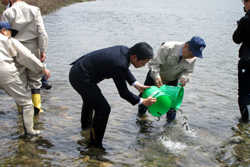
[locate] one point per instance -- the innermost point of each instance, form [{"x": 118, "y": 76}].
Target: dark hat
[
  {"x": 197, "y": 45},
  {"x": 7, "y": 26}
]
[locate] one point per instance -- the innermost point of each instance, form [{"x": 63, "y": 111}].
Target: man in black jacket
[
  {"x": 92, "y": 68},
  {"x": 242, "y": 35}
]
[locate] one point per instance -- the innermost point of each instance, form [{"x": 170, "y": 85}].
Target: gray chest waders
[{"x": 28, "y": 122}]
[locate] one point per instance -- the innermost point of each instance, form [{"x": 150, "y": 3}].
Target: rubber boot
[
  {"x": 28, "y": 122},
  {"x": 36, "y": 99},
  {"x": 97, "y": 131},
  {"x": 19, "y": 109},
  {"x": 171, "y": 114},
  {"x": 87, "y": 114},
  {"x": 245, "y": 112},
  {"x": 142, "y": 110},
  {"x": 45, "y": 84}
]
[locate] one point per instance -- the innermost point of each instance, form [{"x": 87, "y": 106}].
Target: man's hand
[
  {"x": 149, "y": 101},
  {"x": 183, "y": 81},
  {"x": 141, "y": 88},
  {"x": 42, "y": 57},
  {"x": 46, "y": 73},
  {"x": 158, "y": 82}
]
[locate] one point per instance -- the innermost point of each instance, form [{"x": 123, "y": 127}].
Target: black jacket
[
  {"x": 242, "y": 35},
  {"x": 112, "y": 62}
]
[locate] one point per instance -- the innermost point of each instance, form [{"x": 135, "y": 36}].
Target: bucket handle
[
  {"x": 179, "y": 84},
  {"x": 156, "y": 94}
]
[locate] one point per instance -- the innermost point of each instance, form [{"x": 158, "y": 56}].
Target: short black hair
[
  {"x": 189, "y": 47},
  {"x": 142, "y": 50}
]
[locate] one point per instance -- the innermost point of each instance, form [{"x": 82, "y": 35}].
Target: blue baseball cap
[
  {"x": 7, "y": 26},
  {"x": 197, "y": 44}
]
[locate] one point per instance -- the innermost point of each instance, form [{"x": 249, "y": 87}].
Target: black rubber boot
[
  {"x": 142, "y": 110},
  {"x": 97, "y": 131},
  {"x": 87, "y": 114},
  {"x": 45, "y": 84},
  {"x": 171, "y": 114},
  {"x": 245, "y": 112}
]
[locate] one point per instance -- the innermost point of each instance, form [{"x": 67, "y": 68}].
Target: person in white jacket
[
  {"x": 11, "y": 51},
  {"x": 28, "y": 21},
  {"x": 173, "y": 63}
]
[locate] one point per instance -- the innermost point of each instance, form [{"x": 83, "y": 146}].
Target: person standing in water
[
  {"x": 173, "y": 63},
  {"x": 28, "y": 21},
  {"x": 92, "y": 68},
  {"x": 242, "y": 36},
  {"x": 11, "y": 51}
]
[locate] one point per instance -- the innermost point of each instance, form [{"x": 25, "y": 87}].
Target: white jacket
[
  {"x": 11, "y": 49},
  {"x": 28, "y": 21},
  {"x": 165, "y": 63}
]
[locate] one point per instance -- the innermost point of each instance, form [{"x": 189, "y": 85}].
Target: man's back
[
  {"x": 105, "y": 63},
  {"x": 27, "y": 19}
]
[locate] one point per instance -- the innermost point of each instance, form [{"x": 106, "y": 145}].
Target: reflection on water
[{"x": 212, "y": 135}]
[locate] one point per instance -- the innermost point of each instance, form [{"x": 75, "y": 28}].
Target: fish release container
[
  {"x": 163, "y": 101},
  {"x": 176, "y": 93}
]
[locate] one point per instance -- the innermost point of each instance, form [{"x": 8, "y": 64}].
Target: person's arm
[
  {"x": 187, "y": 73},
  {"x": 42, "y": 36},
  {"x": 25, "y": 57},
  {"x": 141, "y": 88},
  {"x": 156, "y": 63},
  {"x": 240, "y": 33},
  {"x": 183, "y": 81},
  {"x": 119, "y": 77},
  {"x": 130, "y": 77},
  {"x": 4, "y": 17},
  {"x": 42, "y": 57}
]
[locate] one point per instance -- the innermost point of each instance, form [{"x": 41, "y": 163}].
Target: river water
[{"x": 212, "y": 134}]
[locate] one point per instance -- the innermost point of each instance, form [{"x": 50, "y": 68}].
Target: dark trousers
[
  {"x": 89, "y": 91},
  {"x": 243, "y": 84},
  {"x": 150, "y": 82}
]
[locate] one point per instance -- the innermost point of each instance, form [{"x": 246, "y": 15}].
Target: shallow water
[{"x": 212, "y": 135}]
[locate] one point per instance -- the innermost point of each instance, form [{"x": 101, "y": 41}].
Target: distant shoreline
[{"x": 47, "y": 6}]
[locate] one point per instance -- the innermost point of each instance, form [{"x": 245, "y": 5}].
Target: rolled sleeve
[
  {"x": 158, "y": 60},
  {"x": 42, "y": 35}
]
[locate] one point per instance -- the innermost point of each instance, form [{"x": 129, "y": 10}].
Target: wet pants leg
[
  {"x": 244, "y": 91},
  {"x": 171, "y": 114},
  {"x": 87, "y": 114},
  {"x": 91, "y": 95}
]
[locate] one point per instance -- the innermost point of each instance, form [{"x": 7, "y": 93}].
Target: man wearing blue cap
[
  {"x": 173, "y": 62},
  {"x": 12, "y": 51}
]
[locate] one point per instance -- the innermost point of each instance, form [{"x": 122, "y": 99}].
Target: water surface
[{"x": 215, "y": 137}]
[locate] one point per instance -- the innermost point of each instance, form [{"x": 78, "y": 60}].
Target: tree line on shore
[{"x": 46, "y": 6}]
